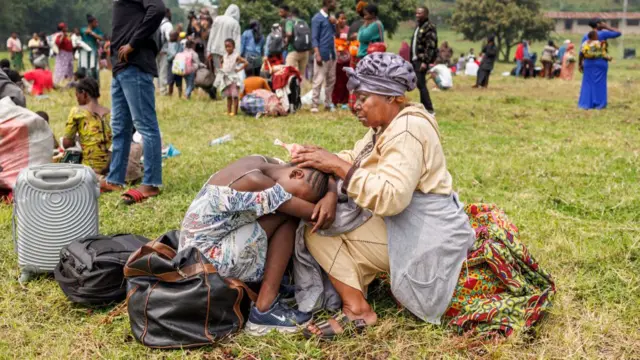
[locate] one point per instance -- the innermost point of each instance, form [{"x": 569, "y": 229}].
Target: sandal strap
[
  {"x": 348, "y": 325},
  {"x": 135, "y": 195}
]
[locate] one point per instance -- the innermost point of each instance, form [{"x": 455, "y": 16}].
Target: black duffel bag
[
  {"x": 91, "y": 269},
  {"x": 180, "y": 300}
]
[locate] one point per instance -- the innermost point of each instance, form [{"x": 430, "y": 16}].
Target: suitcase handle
[{"x": 64, "y": 179}]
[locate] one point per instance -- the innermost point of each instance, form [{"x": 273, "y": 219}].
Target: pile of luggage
[{"x": 174, "y": 300}]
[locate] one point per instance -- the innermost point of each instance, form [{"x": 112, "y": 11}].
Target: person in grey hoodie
[{"x": 224, "y": 27}]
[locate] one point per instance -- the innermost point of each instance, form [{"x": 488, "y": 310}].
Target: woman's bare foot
[{"x": 106, "y": 187}]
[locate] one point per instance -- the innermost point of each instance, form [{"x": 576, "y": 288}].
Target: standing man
[
  {"x": 89, "y": 59},
  {"x": 298, "y": 58},
  {"x": 224, "y": 27},
  {"x": 424, "y": 51},
  {"x": 15, "y": 52},
  {"x": 519, "y": 56},
  {"x": 489, "y": 54},
  {"x": 134, "y": 48},
  {"x": 323, "y": 33},
  {"x": 285, "y": 14},
  {"x": 161, "y": 60}
]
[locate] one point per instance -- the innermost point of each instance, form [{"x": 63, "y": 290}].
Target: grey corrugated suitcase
[{"x": 54, "y": 204}]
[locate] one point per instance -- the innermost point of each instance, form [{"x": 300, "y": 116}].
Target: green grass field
[{"x": 568, "y": 178}]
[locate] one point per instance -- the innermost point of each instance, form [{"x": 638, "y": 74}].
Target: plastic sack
[{"x": 25, "y": 140}]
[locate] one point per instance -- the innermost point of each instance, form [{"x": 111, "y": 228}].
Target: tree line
[
  {"x": 29, "y": 16},
  {"x": 509, "y": 20}
]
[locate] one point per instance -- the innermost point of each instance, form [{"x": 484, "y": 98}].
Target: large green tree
[
  {"x": 508, "y": 20},
  {"x": 266, "y": 11}
]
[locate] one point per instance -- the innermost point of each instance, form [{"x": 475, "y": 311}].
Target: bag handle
[
  {"x": 235, "y": 284},
  {"x": 153, "y": 247},
  {"x": 70, "y": 178},
  {"x": 173, "y": 276}
]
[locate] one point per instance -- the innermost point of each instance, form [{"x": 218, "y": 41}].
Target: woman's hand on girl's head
[
  {"x": 318, "y": 159},
  {"x": 321, "y": 159}
]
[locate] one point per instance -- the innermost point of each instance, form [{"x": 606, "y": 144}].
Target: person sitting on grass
[
  {"x": 40, "y": 78},
  {"x": 442, "y": 76},
  {"x": 227, "y": 77},
  {"x": 244, "y": 221},
  {"x": 92, "y": 124},
  {"x": 594, "y": 48},
  {"x": 253, "y": 83},
  {"x": 45, "y": 117},
  {"x": 77, "y": 76},
  {"x": 91, "y": 121},
  {"x": 14, "y": 76}
]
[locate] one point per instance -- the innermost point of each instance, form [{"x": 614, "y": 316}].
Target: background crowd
[{"x": 264, "y": 69}]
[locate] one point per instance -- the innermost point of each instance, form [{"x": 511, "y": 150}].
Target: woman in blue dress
[{"x": 593, "y": 94}]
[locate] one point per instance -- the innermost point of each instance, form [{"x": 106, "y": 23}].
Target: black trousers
[
  {"x": 483, "y": 78},
  {"x": 252, "y": 71},
  {"x": 425, "y": 99}
]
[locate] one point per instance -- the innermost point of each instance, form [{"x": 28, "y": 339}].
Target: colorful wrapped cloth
[
  {"x": 340, "y": 93},
  {"x": 64, "y": 67},
  {"x": 281, "y": 77},
  {"x": 502, "y": 288},
  {"x": 16, "y": 61}
]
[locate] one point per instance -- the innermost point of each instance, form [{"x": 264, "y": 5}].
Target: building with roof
[{"x": 578, "y": 22}]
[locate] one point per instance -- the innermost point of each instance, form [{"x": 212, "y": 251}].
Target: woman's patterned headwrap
[{"x": 384, "y": 74}]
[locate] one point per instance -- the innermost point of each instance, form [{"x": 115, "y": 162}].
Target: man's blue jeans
[
  {"x": 133, "y": 103},
  {"x": 518, "y": 67}
]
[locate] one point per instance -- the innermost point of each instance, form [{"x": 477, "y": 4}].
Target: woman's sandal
[
  {"x": 349, "y": 327},
  {"x": 134, "y": 196}
]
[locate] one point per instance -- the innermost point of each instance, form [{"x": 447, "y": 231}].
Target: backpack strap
[{"x": 380, "y": 32}]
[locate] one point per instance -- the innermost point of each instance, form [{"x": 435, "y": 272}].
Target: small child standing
[
  {"x": 594, "y": 48},
  {"x": 227, "y": 77},
  {"x": 195, "y": 64},
  {"x": 174, "y": 48}
]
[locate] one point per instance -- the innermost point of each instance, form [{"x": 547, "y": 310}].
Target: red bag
[{"x": 378, "y": 46}]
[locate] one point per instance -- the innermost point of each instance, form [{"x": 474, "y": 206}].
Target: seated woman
[
  {"x": 91, "y": 121},
  {"x": 419, "y": 231},
  {"x": 244, "y": 221}
]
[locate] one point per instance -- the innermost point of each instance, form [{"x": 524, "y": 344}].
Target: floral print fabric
[
  {"x": 95, "y": 136},
  {"x": 502, "y": 288},
  {"x": 222, "y": 224}
]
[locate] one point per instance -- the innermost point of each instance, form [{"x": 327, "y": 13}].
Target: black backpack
[
  {"x": 91, "y": 269},
  {"x": 178, "y": 300},
  {"x": 276, "y": 44},
  {"x": 301, "y": 36}
]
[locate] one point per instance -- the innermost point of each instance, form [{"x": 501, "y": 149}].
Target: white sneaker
[{"x": 314, "y": 110}]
